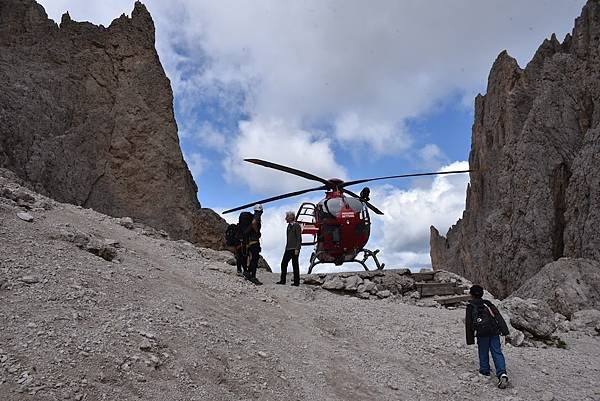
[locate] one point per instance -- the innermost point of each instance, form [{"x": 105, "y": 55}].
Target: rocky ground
[{"x": 96, "y": 308}]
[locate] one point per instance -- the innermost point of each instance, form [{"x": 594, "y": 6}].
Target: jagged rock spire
[{"x": 536, "y": 139}]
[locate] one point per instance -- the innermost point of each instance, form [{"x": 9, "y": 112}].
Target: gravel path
[{"x": 173, "y": 322}]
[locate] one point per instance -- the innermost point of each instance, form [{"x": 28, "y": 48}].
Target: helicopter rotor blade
[
  {"x": 347, "y": 183},
  {"x": 274, "y": 198},
  {"x": 370, "y": 206},
  {"x": 289, "y": 170}
]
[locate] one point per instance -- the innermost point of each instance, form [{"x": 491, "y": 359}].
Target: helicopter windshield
[
  {"x": 335, "y": 205},
  {"x": 355, "y": 204}
]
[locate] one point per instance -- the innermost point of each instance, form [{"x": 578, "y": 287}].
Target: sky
[{"x": 339, "y": 88}]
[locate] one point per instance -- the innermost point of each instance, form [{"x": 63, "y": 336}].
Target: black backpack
[
  {"x": 244, "y": 223},
  {"x": 484, "y": 320},
  {"x": 231, "y": 235}
]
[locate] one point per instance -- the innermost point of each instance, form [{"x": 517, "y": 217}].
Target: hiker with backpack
[
  {"x": 484, "y": 321},
  {"x": 244, "y": 238},
  {"x": 234, "y": 238},
  {"x": 252, "y": 240}
]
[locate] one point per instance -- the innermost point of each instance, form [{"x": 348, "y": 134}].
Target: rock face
[
  {"x": 531, "y": 315},
  {"x": 86, "y": 117},
  {"x": 567, "y": 285},
  {"x": 535, "y": 194}
]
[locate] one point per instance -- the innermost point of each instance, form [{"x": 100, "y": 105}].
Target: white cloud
[
  {"x": 205, "y": 134},
  {"x": 196, "y": 163},
  {"x": 431, "y": 156},
  {"x": 356, "y": 64},
  {"x": 384, "y": 137},
  {"x": 279, "y": 142},
  {"x": 403, "y": 232},
  {"x": 327, "y": 60}
]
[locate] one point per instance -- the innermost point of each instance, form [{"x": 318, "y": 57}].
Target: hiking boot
[
  {"x": 280, "y": 282},
  {"x": 240, "y": 273},
  {"x": 255, "y": 281},
  {"x": 295, "y": 284},
  {"x": 503, "y": 381}
]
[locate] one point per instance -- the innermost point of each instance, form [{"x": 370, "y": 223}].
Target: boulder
[
  {"x": 396, "y": 283},
  {"x": 127, "y": 222},
  {"x": 369, "y": 286},
  {"x": 30, "y": 279},
  {"x": 567, "y": 285},
  {"x": 100, "y": 248},
  {"x": 352, "y": 283},
  {"x": 334, "y": 283},
  {"x": 587, "y": 319},
  {"x": 531, "y": 315},
  {"x": 515, "y": 337},
  {"x": 25, "y": 216},
  {"x": 312, "y": 280}
]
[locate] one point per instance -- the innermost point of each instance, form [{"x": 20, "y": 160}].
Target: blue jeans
[{"x": 487, "y": 345}]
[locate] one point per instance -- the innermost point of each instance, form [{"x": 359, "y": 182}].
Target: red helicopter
[{"x": 339, "y": 224}]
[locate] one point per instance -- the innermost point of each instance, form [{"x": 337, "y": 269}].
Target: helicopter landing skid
[{"x": 367, "y": 253}]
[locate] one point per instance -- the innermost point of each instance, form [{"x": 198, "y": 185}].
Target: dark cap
[{"x": 476, "y": 291}]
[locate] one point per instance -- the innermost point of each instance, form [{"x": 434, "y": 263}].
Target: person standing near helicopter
[
  {"x": 292, "y": 249},
  {"x": 252, "y": 236}
]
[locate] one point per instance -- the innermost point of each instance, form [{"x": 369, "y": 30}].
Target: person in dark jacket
[
  {"x": 253, "y": 245},
  {"x": 292, "y": 249},
  {"x": 484, "y": 321}
]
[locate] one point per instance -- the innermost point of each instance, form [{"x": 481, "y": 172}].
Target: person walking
[
  {"x": 292, "y": 249},
  {"x": 484, "y": 321}
]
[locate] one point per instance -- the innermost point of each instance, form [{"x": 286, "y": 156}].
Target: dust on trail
[{"x": 174, "y": 322}]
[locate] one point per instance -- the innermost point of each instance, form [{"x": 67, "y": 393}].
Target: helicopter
[{"x": 339, "y": 225}]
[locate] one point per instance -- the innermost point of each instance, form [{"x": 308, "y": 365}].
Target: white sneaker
[{"x": 503, "y": 381}]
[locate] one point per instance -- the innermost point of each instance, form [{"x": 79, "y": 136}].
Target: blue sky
[{"x": 343, "y": 88}]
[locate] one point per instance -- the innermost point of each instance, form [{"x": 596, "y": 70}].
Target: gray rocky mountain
[
  {"x": 86, "y": 117},
  {"x": 535, "y": 194}
]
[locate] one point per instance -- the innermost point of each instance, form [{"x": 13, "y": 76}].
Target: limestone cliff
[
  {"x": 535, "y": 194},
  {"x": 86, "y": 117}
]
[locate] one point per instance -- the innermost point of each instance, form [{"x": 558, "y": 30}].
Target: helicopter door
[{"x": 306, "y": 218}]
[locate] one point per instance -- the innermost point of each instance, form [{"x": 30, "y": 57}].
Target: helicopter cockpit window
[
  {"x": 355, "y": 204},
  {"x": 333, "y": 206}
]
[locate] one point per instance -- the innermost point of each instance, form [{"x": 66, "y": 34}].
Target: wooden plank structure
[
  {"x": 423, "y": 276},
  {"x": 453, "y": 300}
]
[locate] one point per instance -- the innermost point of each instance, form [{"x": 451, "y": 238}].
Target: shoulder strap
[{"x": 490, "y": 310}]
